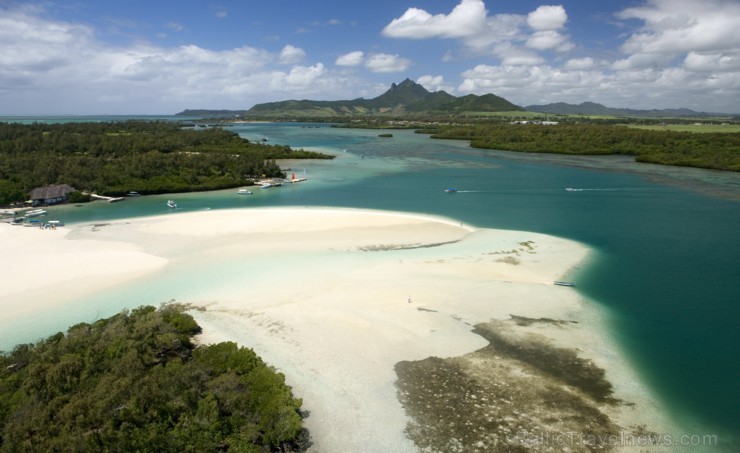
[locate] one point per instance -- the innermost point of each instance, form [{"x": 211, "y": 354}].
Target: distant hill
[
  {"x": 592, "y": 108},
  {"x": 204, "y": 113},
  {"x": 405, "y": 98}
]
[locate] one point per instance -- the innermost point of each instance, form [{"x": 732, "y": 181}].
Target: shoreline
[{"x": 336, "y": 298}]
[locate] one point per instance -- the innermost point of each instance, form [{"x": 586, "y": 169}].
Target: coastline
[{"x": 336, "y": 298}]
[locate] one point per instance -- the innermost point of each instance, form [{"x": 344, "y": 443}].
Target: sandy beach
[{"x": 336, "y": 299}]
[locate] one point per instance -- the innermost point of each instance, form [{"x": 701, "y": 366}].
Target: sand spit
[{"x": 351, "y": 305}]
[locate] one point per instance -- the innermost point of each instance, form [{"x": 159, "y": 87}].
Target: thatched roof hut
[{"x": 54, "y": 194}]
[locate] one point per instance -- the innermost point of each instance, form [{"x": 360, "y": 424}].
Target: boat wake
[{"x": 571, "y": 189}]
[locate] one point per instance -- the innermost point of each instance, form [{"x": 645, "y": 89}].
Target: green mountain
[
  {"x": 592, "y": 108},
  {"x": 405, "y": 98}
]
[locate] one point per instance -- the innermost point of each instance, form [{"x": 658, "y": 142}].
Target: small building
[{"x": 48, "y": 195}]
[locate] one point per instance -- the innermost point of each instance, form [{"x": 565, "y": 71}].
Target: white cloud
[
  {"x": 635, "y": 88},
  {"x": 435, "y": 83},
  {"x": 291, "y": 54},
  {"x": 49, "y": 66},
  {"x": 30, "y": 43},
  {"x": 466, "y": 19},
  {"x": 351, "y": 59},
  {"x": 579, "y": 64},
  {"x": 501, "y": 30},
  {"x": 511, "y": 55},
  {"x": 382, "y": 62},
  {"x": 483, "y": 34},
  {"x": 547, "y": 18},
  {"x": 682, "y": 53},
  {"x": 711, "y": 62},
  {"x": 681, "y": 26},
  {"x": 327, "y": 23},
  {"x": 301, "y": 77},
  {"x": 544, "y": 40}
]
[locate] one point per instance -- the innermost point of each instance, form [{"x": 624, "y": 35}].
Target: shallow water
[{"x": 665, "y": 241}]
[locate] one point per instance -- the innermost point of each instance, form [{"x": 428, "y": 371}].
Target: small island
[{"x": 385, "y": 135}]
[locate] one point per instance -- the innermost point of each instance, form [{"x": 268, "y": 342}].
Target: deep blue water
[{"x": 666, "y": 261}]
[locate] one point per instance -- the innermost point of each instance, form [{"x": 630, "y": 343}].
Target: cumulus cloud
[
  {"x": 435, "y": 83},
  {"x": 511, "y": 55},
  {"x": 712, "y": 62},
  {"x": 544, "y": 40},
  {"x": 702, "y": 34},
  {"x": 302, "y": 76},
  {"x": 291, "y": 54},
  {"x": 466, "y": 19},
  {"x": 677, "y": 26},
  {"x": 680, "y": 53},
  {"x": 483, "y": 34},
  {"x": 547, "y": 18},
  {"x": 30, "y": 43},
  {"x": 351, "y": 59},
  {"x": 546, "y": 21},
  {"x": 382, "y": 62}
]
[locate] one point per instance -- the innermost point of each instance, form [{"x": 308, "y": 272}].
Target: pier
[{"x": 103, "y": 197}]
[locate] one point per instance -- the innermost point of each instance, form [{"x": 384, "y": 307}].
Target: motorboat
[
  {"x": 244, "y": 192},
  {"x": 451, "y": 190},
  {"x": 35, "y": 213},
  {"x": 171, "y": 204}
]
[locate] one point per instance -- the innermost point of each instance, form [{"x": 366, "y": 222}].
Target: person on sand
[{"x": 409, "y": 299}]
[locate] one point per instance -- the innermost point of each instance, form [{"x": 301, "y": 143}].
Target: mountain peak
[{"x": 405, "y": 93}]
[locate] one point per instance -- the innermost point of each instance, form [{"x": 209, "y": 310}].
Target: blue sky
[{"x": 162, "y": 56}]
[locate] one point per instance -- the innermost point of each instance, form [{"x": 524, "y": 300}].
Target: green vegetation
[
  {"x": 385, "y": 135},
  {"x": 136, "y": 382},
  {"x": 719, "y": 151},
  {"x": 701, "y": 128},
  {"x": 147, "y": 157}
]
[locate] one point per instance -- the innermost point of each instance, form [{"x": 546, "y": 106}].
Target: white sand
[
  {"x": 322, "y": 295},
  {"x": 42, "y": 269}
]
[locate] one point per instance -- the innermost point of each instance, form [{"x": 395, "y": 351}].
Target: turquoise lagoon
[{"x": 666, "y": 242}]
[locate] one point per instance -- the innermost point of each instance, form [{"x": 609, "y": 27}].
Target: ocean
[{"x": 665, "y": 239}]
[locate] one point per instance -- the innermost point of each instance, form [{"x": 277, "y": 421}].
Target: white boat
[
  {"x": 133, "y": 193},
  {"x": 265, "y": 185},
  {"x": 559, "y": 283},
  {"x": 451, "y": 190},
  {"x": 171, "y": 204},
  {"x": 244, "y": 192},
  {"x": 35, "y": 213}
]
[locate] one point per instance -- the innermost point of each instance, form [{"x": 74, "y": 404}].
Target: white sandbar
[{"x": 333, "y": 298}]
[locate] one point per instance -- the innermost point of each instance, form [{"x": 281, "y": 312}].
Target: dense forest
[
  {"x": 718, "y": 151},
  {"x": 136, "y": 382},
  {"x": 117, "y": 157}
]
